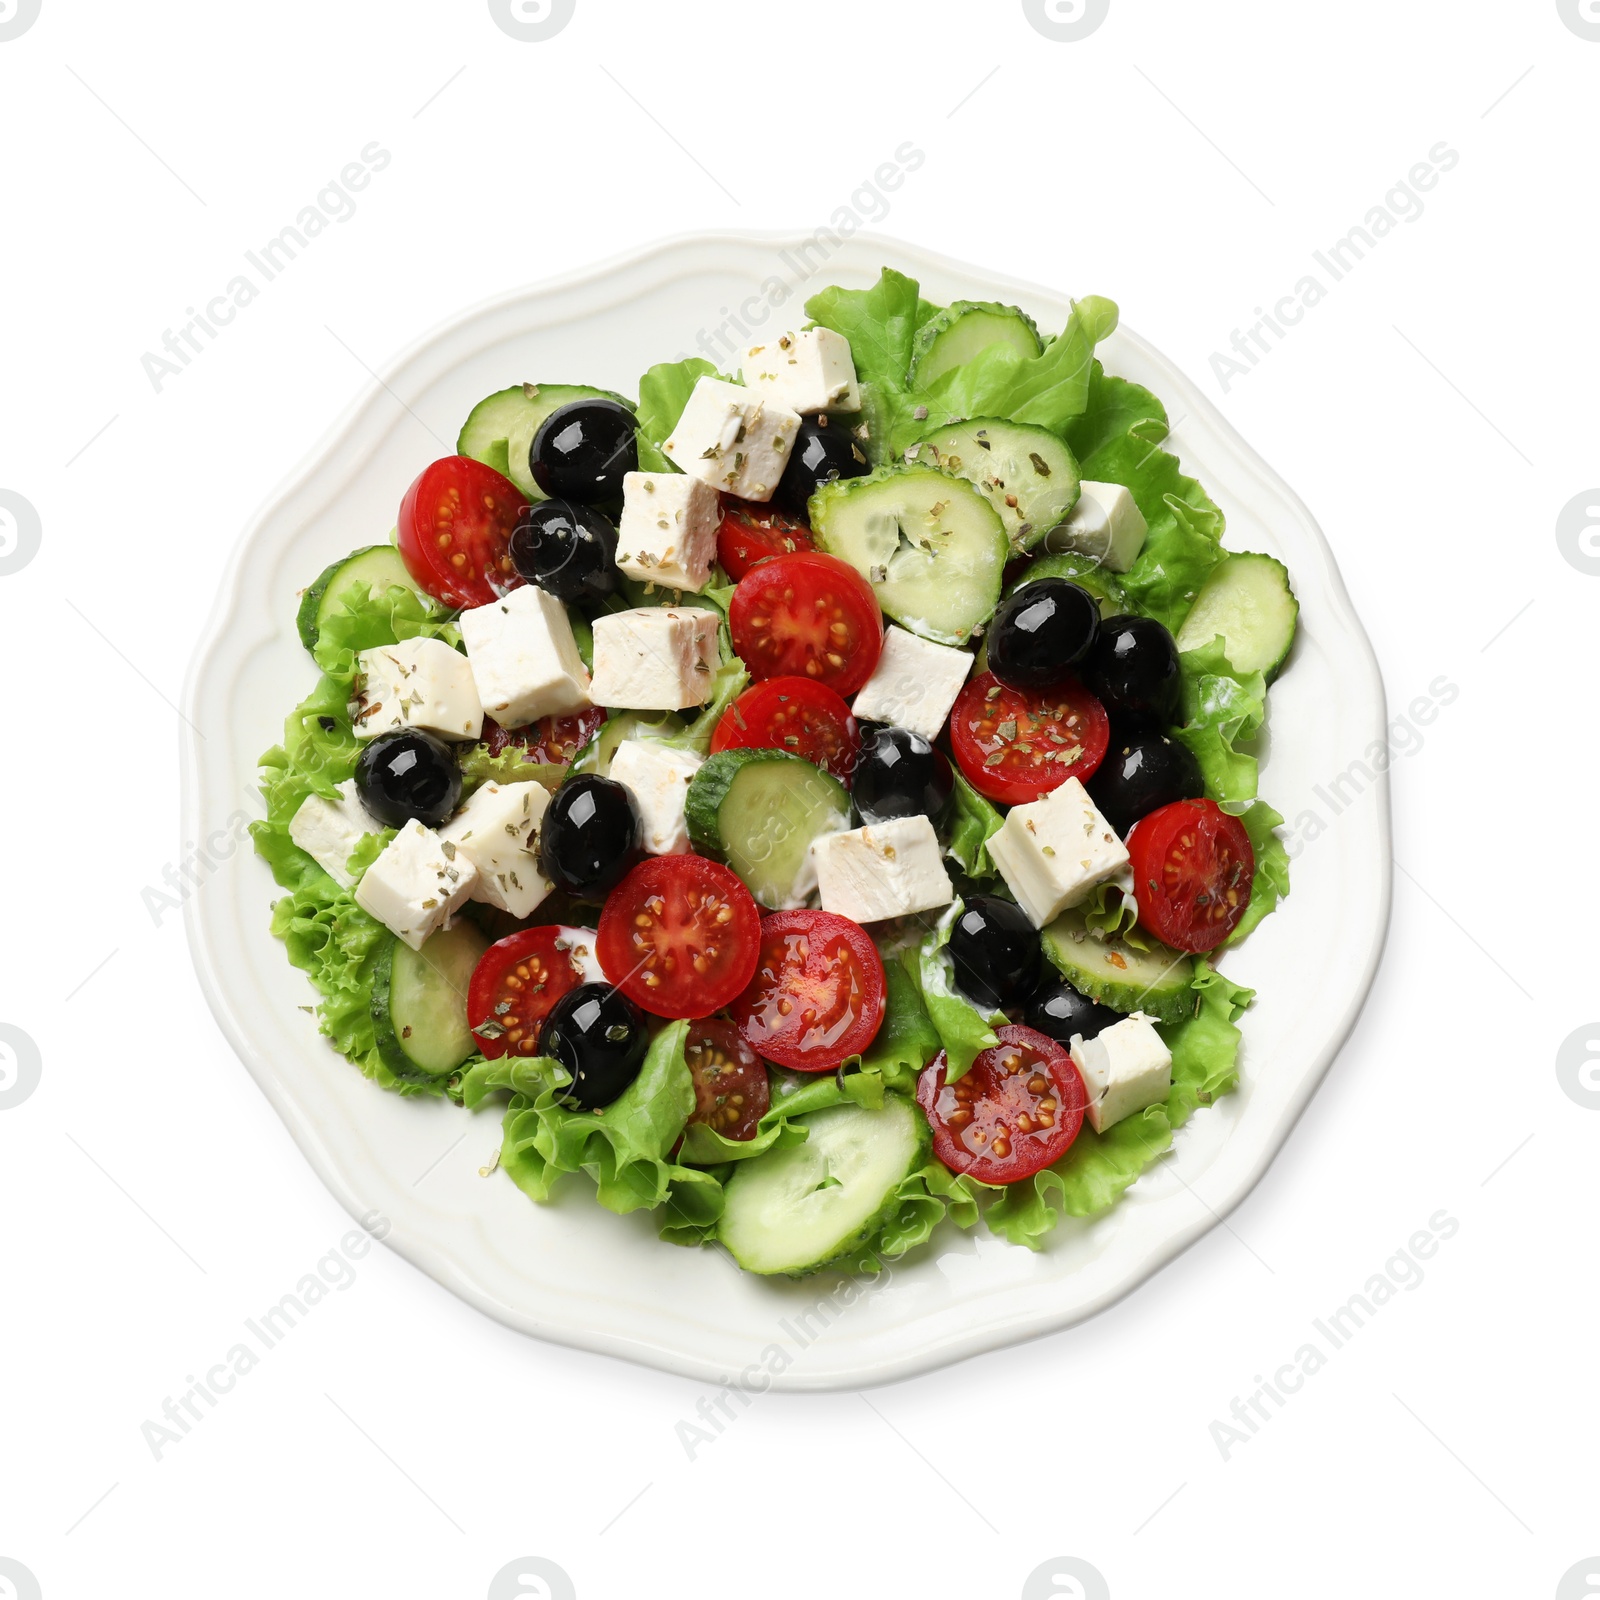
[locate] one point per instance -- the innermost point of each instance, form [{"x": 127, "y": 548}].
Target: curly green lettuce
[
  {"x": 663, "y": 393},
  {"x": 973, "y": 823},
  {"x": 965, "y": 1031}
]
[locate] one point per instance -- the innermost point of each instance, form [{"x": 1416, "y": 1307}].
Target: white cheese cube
[
  {"x": 418, "y": 683},
  {"x": 1053, "y": 852},
  {"x": 914, "y": 683},
  {"x": 807, "y": 372},
  {"x": 1106, "y": 524},
  {"x": 328, "y": 830},
  {"x": 524, "y": 658},
  {"x": 733, "y": 438},
  {"x": 417, "y": 884},
  {"x": 659, "y": 777},
  {"x": 668, "y": 532},
  {"x": 497, "y": 830},
  {"x": 655, "y": 658},
  {"x": 887, "y": 869},
  {"x": 1125, "y": 1068}
]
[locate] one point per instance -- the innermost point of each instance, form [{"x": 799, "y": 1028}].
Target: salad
[{"x": 808, "y": 803}]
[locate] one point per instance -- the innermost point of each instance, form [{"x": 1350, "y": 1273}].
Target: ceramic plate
[{"x": 570, "y": 1271}]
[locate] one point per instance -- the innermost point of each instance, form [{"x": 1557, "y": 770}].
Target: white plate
[{"x": 570, "y": 1271}]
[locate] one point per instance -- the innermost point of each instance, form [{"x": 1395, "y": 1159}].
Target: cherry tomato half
[
  {"x": 731, "y": 1091},
  {"x": 807, "y": 615},
  {"x": 1193, "y": 870},
  {"x": 799, "y": 715},
  {"x": 818, "y": 992},
  {"x": 678, "y": 936},
  {"x": 516, "y": 982},
  {"x": 1016, "y": 1111},
  {"x": 455, "y": 530},
  {"x": 551, "y": 741},
  {"x": 1016, "y": 745},
  {"x": 752, "y": 533}
]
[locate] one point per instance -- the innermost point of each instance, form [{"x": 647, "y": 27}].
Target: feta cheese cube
[
  {"x": 914, "y": 683},
  {"x": 1053, "y": 852},
  {"x": 497, "y": 830},
  {"x": 807, "y": 372},
  {"x": 655, "y": 658},
  {"x": 418, "y": 683},
  {"x": 733, "y": 438},
  {"x": 1106, "y": 524},
  {"x": 1125, "y": 1068},
  {"x": 887, "y": 869},
  {"x": 328, "y": 830},
  {"x": 417, "y": 884},
  {"x": 524, "y": 658},
  {"x": 668, "y": 532},
  {"x": 659, "y": 777}
]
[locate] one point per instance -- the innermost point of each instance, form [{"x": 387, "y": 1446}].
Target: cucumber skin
[
  {"x": 1251, "y": 558},
  {"x": 874, "y": 1224},
  {"x": 307, "y": 620},
  {"x": 929, "y": 334},
  {"x": 1170, "y": 1003},
  {"x": 394, "y": 1058}
]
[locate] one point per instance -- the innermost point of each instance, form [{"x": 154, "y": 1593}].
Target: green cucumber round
[
  {"x": 1246, "y": 599},
  {"x": 929, "y": 543},
  {"x": 965, "y": 330},
  {"x": 419, "y": 1003},
  {"x": 796, "y": 1210},
  {"x": 376, "y": 567},
  {"x": 759, "y": 810},
  {"x": 1026, "y": 473},
  {"x": 1158, "y": 981}
]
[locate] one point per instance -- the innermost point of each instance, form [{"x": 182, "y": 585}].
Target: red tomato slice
[
  {"x": 799, "y": 715},
  {"x": 731, "y": 1091},
  {"x": 818, "y": 992},
  {"x": 516, "y": 982},
  {"x": 455, "y": 527},
  {"x": 1016, "y": 745},
  {"x": 1016, "y": 1111},
  {"x": 1193, "y": 870},
  {"x": 807, "y": 615},
  {"x": 551, "y": 741},
  {"x": 752, "y": 533},
  {"x": 678, "y": 936}
]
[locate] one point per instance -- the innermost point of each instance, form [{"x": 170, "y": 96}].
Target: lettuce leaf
[
  {"x": 478, "y": 767},
  {"x": 1115, "y": 406},
  {"x": 1098, "y": 1168},
  {"x": 964, "y": 1031},
  {"x": 663, "y": 393},
  {"x": 973, "y": 822},
  {"x": 1272, "y": 867},
  {"x": 907, "y": 1039},
  {"x": 623, "y": 1147},
  {"x": 367, "y": 619},
  {"x": 881, "y": 324},
  {"x": 1223, "y": 708}
]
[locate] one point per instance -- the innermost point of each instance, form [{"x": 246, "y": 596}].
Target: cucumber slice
[
  {"x": 1117, "y": 974},
  {"x": 597, "y": 753},
  {"x": 965, "y": 330},
  {"x": 1027, "y": 474},
  {"x": 1247, "y": 599},
  {"x": 931, "y": 546},
  {"x": 499, "y": 430},
  {"x": 378, "y": 566},
  {"x": 759, "y": 810},
  {"x": 419, "y": 1003},
  {"x": 796, "y": 1210},
  {"x": 1083, "y": 571}
]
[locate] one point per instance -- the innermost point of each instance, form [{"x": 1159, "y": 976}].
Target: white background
[{"x": 1434, "y": 412}]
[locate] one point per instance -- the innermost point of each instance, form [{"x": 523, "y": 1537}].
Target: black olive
[
  {"x": 582, "y": 451},
  {"x": 899, "y": 774},
  {"x": 590, "y": 835},
  {"x": 599, "y": 1036},
  {"x": 823, "y": 450},
  {"x": 1134, "y": 671},
  {"x": 1143, "y": 770},
  {"x": 995, "y": 950},
  {"x": 408, "y": 776},
  {"x": 1059, "y": 1011},
  {"x": 1041, "y": 634},
  {"x": 567, "y": 548}
]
